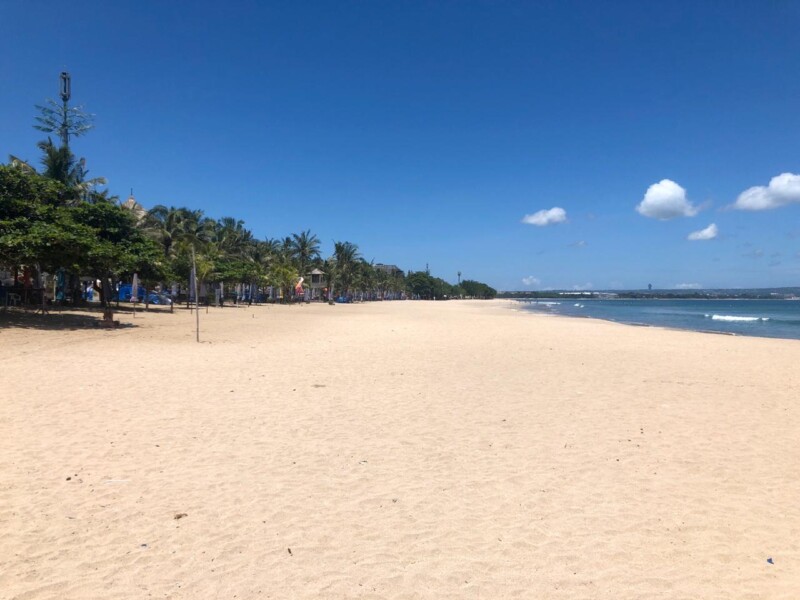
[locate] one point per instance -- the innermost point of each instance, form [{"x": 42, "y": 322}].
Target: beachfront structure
[
  {"x": 316, "y": 284},
  {"x": 392, "y": 270}
]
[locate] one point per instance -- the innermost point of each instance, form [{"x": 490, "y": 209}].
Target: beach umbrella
[{"x": 135, "y": 288}]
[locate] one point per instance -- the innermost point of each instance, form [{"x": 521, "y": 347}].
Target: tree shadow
[{"x": 54, "y": 320}]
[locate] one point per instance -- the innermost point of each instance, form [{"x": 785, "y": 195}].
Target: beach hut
[{"x": 316, "y": 283}]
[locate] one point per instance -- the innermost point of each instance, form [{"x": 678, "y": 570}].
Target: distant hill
[{"x": 709, "y": 294}]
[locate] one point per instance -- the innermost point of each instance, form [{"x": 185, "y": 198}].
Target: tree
[
  {"x": 284, "y": 277},
  {"x": 305, "y": 250},
  {"x": 365, "y": 279},
  {"x": 31, "y": 229},
  {"x": 38, "y": 228},
  {"x": 420, "y": 284},
  {"x": 345, "y": 257},
  {"x": 231, "y": 236},
  {"x": 476, "y": 289},
  {"x": 164, "y": 225},
  {"x": 178, "y": 229},
  {"x": 60, "y": 164}
]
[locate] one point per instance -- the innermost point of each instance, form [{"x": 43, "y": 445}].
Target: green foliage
[
  {"x": 304, "y": 248},
  {"x": 476, "y": 289},
  {"x": 344, "y": 265},
  {"x": 285, "y": 277},
  {"x": 427, "y": 287},
  {"x": 99, "y": 239}
]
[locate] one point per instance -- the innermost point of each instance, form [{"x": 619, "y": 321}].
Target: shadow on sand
[{"x": 57, "y": 320}]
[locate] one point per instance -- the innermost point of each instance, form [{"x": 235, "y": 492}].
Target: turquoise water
[{"x": 763, "y": 318}]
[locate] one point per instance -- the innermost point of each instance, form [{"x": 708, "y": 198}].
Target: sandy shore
[{"x": 396, "y": 450}]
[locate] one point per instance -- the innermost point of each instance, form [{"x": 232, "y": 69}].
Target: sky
[{"x": 529, "y": 145}]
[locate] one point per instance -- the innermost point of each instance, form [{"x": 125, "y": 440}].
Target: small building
[{"x": 316, "y": 284}]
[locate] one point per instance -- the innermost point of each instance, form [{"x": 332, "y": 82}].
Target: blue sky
[{"x": 426, "y": 131}]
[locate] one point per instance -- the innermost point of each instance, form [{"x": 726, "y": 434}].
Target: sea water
[{"x": 765, "y": 318}]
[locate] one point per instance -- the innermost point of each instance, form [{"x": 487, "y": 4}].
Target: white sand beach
[{"x": 396, "y": 450}]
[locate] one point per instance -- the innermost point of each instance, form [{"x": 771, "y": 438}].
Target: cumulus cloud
[
  {"x": 546, "y": 217},
  {"x": 709, "y": 233},
  {"x": 688, "y": 286},
  {"x": 582, "y": 287},
  {"x": 782, "y": 190},
  {"x": 666, "y": 200},
  {"x": 530, "y": 280}
]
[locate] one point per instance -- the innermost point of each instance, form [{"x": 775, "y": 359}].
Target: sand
[{"x": 396, "y": 450}]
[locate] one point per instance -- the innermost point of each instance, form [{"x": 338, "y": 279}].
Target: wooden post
[{"x": 196, "y": 298}]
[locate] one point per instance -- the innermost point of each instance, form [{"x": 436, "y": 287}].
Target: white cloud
[
  {"x": 782, "y": 190},
  {"x": 530, "y": 280},
  {"x": 581, "y": 287},
  {"x": 546, "y": 217},
  {"x": 578, "y": 244},
  {"x": 666, "y": 200},
  {"x": 709, "y": 233},
  {"x": 688, "y": 286}
]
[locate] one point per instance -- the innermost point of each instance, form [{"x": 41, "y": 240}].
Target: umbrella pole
[{"x": 196, "y": 298}]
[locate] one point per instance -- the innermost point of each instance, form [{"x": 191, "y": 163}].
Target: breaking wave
[{"x": 735, "y": 318}]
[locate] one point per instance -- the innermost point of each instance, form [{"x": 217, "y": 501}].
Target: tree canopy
[{"x": 57, "y": 218}]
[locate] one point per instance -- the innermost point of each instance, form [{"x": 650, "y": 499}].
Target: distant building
[
  {"x": 137, "y": 209},
  {"x": 392, "y": 270}
]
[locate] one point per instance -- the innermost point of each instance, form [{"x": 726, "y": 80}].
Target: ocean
[{"x": 762, "y": 318}]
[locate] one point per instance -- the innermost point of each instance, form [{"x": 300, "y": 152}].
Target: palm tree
[
  {"x": 345, "y": 257},
  {"x": 60, "y": 164},
  {"x": 283, "y": 276},
  {"x": 196, "y": 229},
  {"x": 165, "y": 225},
  {"x": 272, "y": 247},
  {"x": 305, "y": 250},
  {"x": 232, "y": 237}
]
